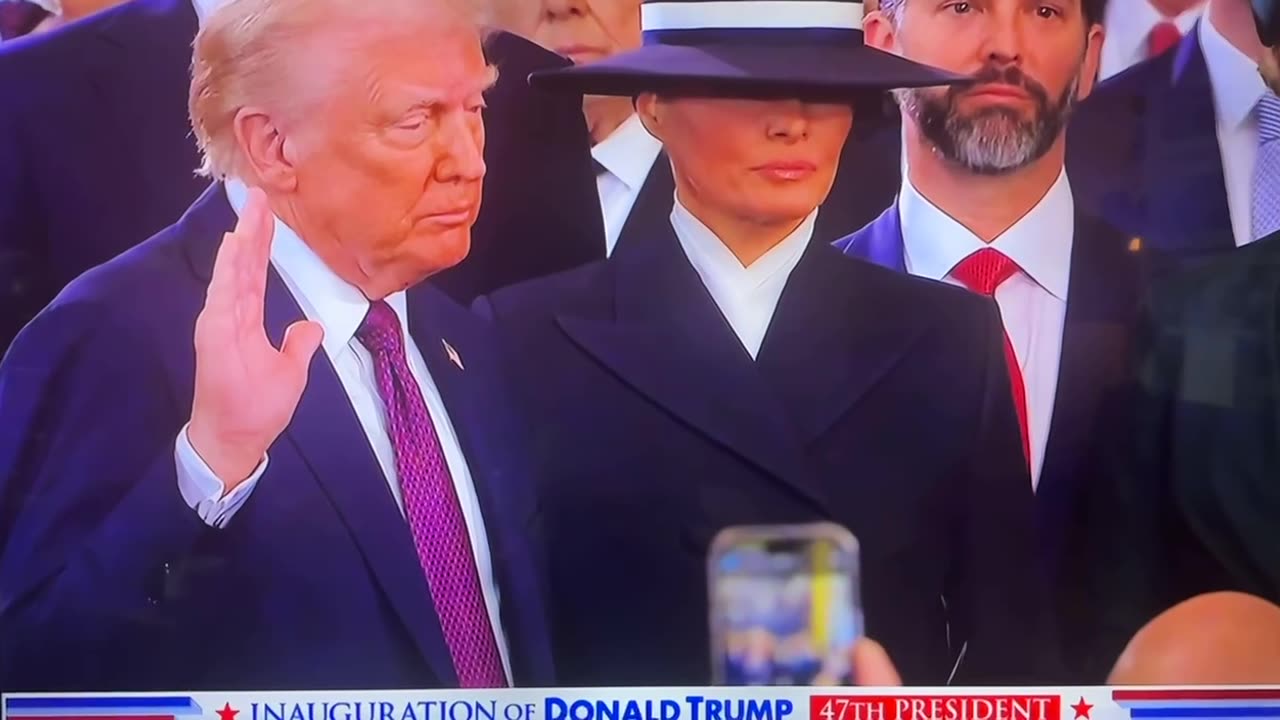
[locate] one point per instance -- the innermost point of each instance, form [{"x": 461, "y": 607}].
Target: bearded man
[{"x": 985, "y": 203}]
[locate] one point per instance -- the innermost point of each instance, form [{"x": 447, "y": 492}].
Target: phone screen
[{"x": 785, "y": 605}]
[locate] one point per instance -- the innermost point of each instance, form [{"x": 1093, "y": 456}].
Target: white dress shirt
[
  {"x": 627, "y": 155},
  {"x": 204, "y": 8},
  {"x": 747, "y": 296},
  {"x": 1237, "y": 88},
  {"x": 1129, "y": 24},
  {"x": 340, "y": 308},
  {"x": 1033, "y": 303}
]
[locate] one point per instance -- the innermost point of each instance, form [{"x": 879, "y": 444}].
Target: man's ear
[
  {"x": 649, "y": 110},
  {"x": 878, "y": 32},
  {"x": 263, "y": 149},
  {"x": 1092, "y": 61}
]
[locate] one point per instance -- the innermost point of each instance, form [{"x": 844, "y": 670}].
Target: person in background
[
  {"x": 1138, "y": 30},
  {"x": 96, "y": 155},
  {"x": 22, "y": 17},
  {"x": 1185, "y": 145},
  {"x": 1196, "y": 509},
  {"x": 1221, "y": 638},
  {"x": 233, "y": 510},
  {"x": 987, "y": 204},
  {"x": 733, "y": 369}
]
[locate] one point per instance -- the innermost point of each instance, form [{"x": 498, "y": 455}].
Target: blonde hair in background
[{"x": 249, "y": 54}]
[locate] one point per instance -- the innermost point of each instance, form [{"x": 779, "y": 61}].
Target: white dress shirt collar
[
  {"x": 747, "y": 296},
  {"x": 53, "y": 7},
  {"x": 628, "y": 153},
  {"x": 1129, "y": 24},
  {"x": 1039, "y": 242},
  {"x": 1237, "y": 86},
  {"x": 205, "y": 8},
  {"x": 325, "y": 298}
]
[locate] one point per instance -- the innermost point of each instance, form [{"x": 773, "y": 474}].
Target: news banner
[{"x": 665, "y": 704}]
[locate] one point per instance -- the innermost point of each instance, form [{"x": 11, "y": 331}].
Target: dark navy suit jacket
[
  {"x": 1143, "y": 155},
  {"x": 109, "y": 581},
  {"x": 1102, "y": 308},
  {"x": 96, "y": 155},
  {"x": 658, "y": 430}
]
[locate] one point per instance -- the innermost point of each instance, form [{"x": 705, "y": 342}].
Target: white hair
[{"x": 248, "y": 53}]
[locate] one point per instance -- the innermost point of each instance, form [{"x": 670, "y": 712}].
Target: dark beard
[{"x": 994, "y": 140}]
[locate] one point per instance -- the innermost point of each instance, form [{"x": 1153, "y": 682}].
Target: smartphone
[{"x": 785, "y": 605}]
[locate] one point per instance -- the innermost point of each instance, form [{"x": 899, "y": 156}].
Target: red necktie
[
  {"x": 983, "y": 272},
  {"x": 1163, "y": 36},
  {"x": 19, "y": 17}
]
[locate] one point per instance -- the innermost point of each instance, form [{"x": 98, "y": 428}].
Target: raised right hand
[{"x": 246, "y": 390}]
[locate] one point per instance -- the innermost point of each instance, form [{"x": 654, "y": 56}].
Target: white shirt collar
[
  {"x": 718, "y": 266},
  {"x": 53, "y": 7},
  {"x": 1129, "y": 24},
  {"x": 1237, "y": 86},
  {"x": 205, "y": 8},
  {"x": 628, "y": 153},
  {"x": 324, "y": 297},
  {"x": 1039, "y": 242}
]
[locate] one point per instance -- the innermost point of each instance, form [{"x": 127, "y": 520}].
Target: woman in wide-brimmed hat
[{"x": 728, "y": 371}]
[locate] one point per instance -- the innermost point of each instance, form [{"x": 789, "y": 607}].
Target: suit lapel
[
  {"x": 1187, "y": 195},
  {"x": 651, "y": 213},
  {"x": 830, "y": 340},
  {"x": 1103, "y": 298},
  {"x": 669, "y": 342},
  {"x": 881, "y": 241}
]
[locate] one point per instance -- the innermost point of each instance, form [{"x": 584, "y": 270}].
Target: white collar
[
  {"x": 1039, "y": 242},
  {"x": 720, "y": 269},
  {"x": 337, "y": 305},
  {"x": 53, "y": 7},
  {"x": 628, "y": 153},
  {"x": 1237, "y": 86},
  {"x": 1129, "y": 24},
  {"x": 205, "y": 8}
]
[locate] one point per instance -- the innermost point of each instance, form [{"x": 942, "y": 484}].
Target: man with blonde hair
[{"x": 243, "y": 511}]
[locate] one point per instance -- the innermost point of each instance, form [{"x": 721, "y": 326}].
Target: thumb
[
  {"x": 301, "y": 341},
  {"x": 872, "y": 666}
]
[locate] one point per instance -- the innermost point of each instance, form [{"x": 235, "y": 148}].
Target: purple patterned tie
[{"x": 431, "y": 506}]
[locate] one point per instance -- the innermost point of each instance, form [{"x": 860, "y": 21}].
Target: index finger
[{"x": 254, "y": 231}]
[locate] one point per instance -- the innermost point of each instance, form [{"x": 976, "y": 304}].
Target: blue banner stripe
[
  {"x": 1257, "y": 711},
  {"x": 100, "y": 703}
]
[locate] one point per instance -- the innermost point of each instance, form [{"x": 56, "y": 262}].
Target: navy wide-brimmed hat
[{"x": 805, "y": 49}]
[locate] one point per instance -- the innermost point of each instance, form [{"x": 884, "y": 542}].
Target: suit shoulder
[
  {"x": 1226, "y": 291},
  {"x": 920, "y": 296},
  {"x": 547, "y": 295}
]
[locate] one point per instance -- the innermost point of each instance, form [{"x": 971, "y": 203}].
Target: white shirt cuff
[{"x": 203, "y": 491}]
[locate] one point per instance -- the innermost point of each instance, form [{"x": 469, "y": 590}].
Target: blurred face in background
[
  {"x": 767, "y": 163},
  {"x": 582, "y": 30},
  {"x": 1032, "y": 61},
  {"x": 1269, "y": 66}
]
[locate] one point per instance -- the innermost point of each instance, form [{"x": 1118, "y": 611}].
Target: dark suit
[
  {"x": 1102, "y": 307},
  {"x": 1198, "y": 508},
  {"x": 860, "y": 190},
  {"x": 1143, "y": 155},
  {"x": 108, "y": 580},
  {"x": 96, "y": 155},
  {"x": 657, "y": 430}
]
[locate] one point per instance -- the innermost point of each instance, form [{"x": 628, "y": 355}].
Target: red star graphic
[
  {"x": 227, "y": 712},
  {"x": 1082, "y": 709}
]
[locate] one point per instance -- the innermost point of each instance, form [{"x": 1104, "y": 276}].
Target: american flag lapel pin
[{"x": 454, "y": 357}]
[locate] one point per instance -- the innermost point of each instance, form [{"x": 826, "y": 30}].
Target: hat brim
[{"x": 803, "y": 71}]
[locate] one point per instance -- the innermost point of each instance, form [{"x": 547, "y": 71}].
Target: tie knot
[
  {"x": 1162, "y": 37},
  {"x": 1268, "y": 109},
  {"x": 380, "y": 331},
  {"x": 984, "y": 271}
]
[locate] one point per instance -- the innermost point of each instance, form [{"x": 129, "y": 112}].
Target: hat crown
[{"x": 664, "y": 19}]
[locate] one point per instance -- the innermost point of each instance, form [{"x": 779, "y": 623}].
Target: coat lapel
[
  {"x": 1102, "y": 307},
  {"x": 830, "y": 340},
  {"x": 326, "y": 433},
  {"x": 669, "y": 342},
  {"x": 651, "y": 214},
  {"x": 880, "y": 242},
  {"x": 1187, "y": 196}
]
